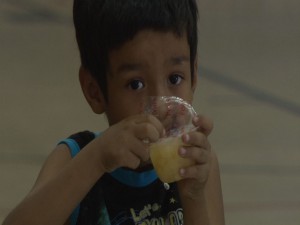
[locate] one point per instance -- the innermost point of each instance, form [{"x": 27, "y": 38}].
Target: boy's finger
[
  {"x": 199, "y": 155},
  {"x": 158, "y": 125},
  {"x": 196, "y": 139},
  {"x": 146, "y": 118},
  {"x": 199, "y": 172},
  {"x": 141, "y": 150},
  {"x": 204, "y": 124},
  {"x": 147, "y": 132}
]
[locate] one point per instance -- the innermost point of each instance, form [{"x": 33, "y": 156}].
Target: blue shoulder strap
[{"x": 73, "y": 146}]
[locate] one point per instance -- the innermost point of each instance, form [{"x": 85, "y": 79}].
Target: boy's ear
[{"x": 91, "y": 91}]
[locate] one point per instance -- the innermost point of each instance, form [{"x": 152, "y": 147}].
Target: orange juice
[{"x": 166, "y": 159}]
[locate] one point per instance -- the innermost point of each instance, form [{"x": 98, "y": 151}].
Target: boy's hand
[
  {"x": 199, "y": 150},
  {"x": 123, "y": 144}
]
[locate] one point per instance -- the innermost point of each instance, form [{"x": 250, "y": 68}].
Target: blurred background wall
[{"x": 249, "y": 67}]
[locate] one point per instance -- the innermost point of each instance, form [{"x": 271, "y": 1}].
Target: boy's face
[{"x": 151, "y": 64}]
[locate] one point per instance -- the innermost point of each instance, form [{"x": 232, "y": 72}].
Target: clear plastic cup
[{"x": 176, "y": 115}]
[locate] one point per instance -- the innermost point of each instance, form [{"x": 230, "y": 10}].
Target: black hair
[{"x": 105, "y": 25}]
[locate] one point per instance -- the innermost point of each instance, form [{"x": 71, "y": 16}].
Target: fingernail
[
  {"x": 182, "y": 172},
  {"x": 186, "y": 138},
  {"x": 182, "y": 151},
  {"x": 196, "y": 119}
]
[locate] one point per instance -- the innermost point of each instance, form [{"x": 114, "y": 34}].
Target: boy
[{"x": 130, "y": 49}]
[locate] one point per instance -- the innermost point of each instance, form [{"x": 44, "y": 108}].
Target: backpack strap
[{"x": 75, "y": 143}]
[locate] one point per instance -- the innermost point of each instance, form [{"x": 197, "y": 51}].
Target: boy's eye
[
  {"x": 175, "y": 79},
  {"x": 136, "y": 84}
]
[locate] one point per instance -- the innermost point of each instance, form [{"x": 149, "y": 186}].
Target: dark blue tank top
[{"x": 125, "y": 197}]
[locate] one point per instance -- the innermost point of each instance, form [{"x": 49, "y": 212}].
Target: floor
[{"x": 249, "y": 68}]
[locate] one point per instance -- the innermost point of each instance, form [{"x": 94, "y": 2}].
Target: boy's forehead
[
  {"x": 173, "y": 49},
  {"x": 127, "y": 65}
]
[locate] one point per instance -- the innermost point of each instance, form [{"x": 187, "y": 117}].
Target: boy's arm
[
  {"x": 64, "y": 182},
  {"x": 207, "y": 209},
  {"x": 61, "y": 185}
]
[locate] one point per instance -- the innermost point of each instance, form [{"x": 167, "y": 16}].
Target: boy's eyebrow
[
  {"x": 127, "y": 67},
  {"x": 176, "y": 60}
]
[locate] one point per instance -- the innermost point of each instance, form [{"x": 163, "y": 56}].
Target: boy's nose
[{"x": 159, "y": 90}]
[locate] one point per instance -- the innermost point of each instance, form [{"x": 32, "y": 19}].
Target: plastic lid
[{"x": 175, "y": 114}]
